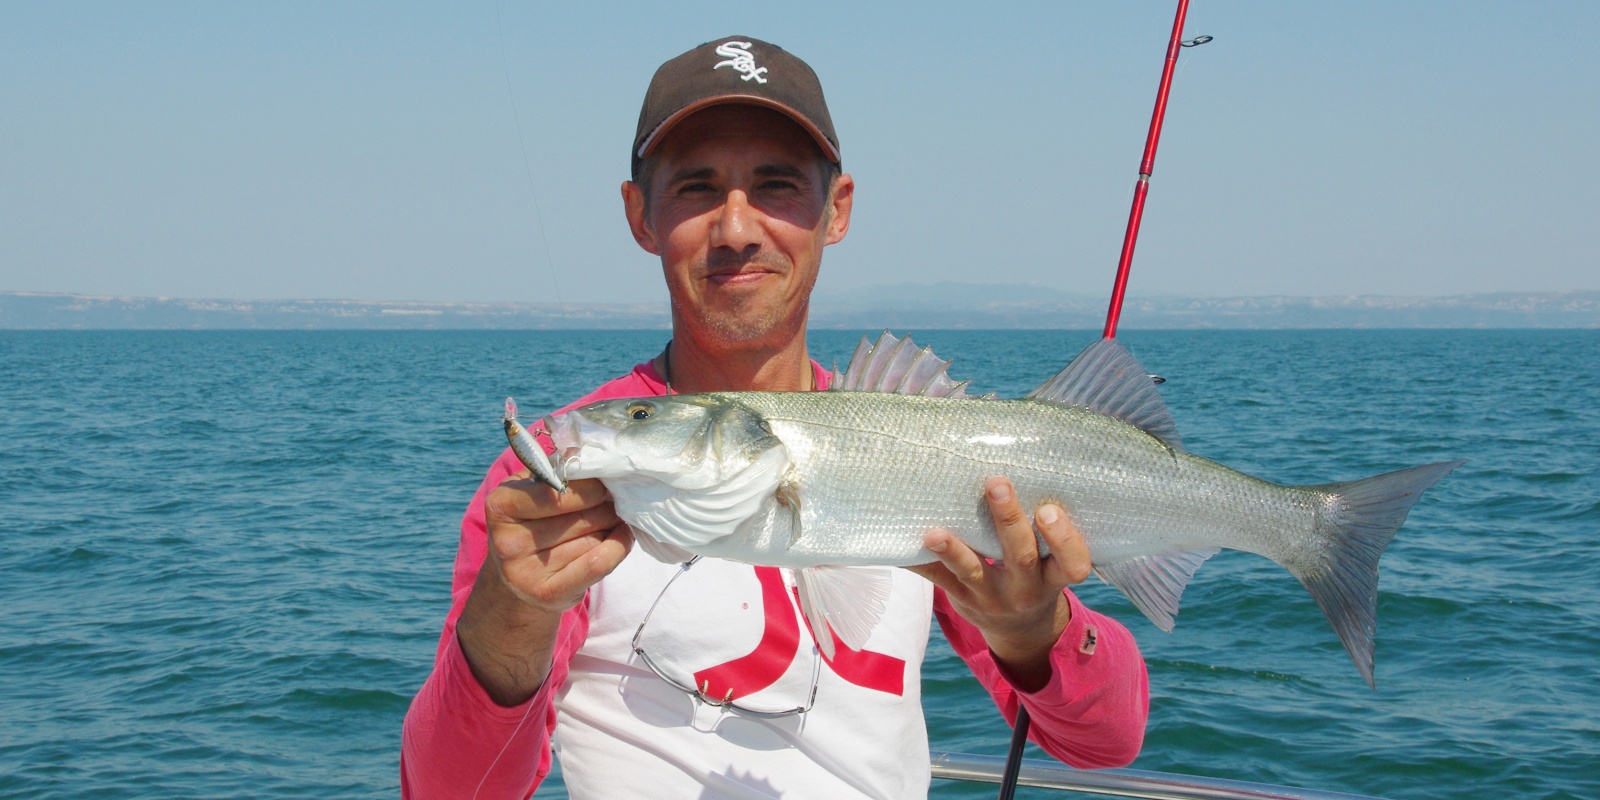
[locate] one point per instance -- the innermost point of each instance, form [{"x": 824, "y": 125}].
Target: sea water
[{"x": 225, "y": 556}]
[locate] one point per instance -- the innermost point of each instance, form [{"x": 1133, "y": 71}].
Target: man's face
[{"x": 739, "y": 213}]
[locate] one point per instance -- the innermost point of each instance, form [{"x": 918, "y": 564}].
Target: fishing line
[
  {"x": 503, "y": 748},
  {"x": 527, "y": 168},
  {"x": 1183, "y": 62}
]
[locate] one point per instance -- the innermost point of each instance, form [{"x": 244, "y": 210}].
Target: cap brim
[{"x": 656, "y": 136}]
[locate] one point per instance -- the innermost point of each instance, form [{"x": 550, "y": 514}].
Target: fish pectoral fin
[
  {"x": 661, "y": 551},
  {"x": 1155, "y": 582},
  {"x": 788, "y": 496},
  {"x": 850, "y": 600}
]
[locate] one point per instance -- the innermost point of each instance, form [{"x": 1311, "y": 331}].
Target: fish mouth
[
  {"x": 585, "y": 448},
  {"x": 564, "y": 432}
]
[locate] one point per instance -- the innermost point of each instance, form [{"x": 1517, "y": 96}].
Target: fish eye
[{"x": 641, "y": 411}]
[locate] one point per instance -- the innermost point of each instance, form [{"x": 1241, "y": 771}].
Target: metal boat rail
[{"x": 1120, "y": 782}]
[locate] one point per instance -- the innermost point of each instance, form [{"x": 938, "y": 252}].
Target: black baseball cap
[{"x": 735, "y": 69}]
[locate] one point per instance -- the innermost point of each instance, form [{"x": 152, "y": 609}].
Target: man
[{"x": 667, "y": 681}]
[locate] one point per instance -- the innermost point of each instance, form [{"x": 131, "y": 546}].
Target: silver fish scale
[{"x": 875, "y": 471}]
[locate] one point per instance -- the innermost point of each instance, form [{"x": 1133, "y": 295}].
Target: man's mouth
[
  {"x": 738, "y": 277},
  {"x": 726, "y": 269}
]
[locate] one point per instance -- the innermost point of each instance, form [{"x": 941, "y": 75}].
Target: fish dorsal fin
[
  {"x": 897, "y": 366},
  {"x": 850, "y": 600},
  {"x": 1106, "y": 379},
  {"x": 1155, "y": 582}
]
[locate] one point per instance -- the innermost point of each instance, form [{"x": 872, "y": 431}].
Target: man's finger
[
  {"x": 939, "y": 575},
  {"x": 562, "y": 574},
  {"x": 549, "y": 531},
  {"x": 549, "y": 560},
  {"x": 1018, "y": 547},
  {"x": 527, "y": 499},
  {"x": 523, "y": 538},
  {"x": 586, "y": 568},
  {"x": 1069, "y": 559},
  {"x": 960, "y": 565}
]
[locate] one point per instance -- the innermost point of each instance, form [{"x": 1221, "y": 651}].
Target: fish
[{"x": 840, "y": 484}]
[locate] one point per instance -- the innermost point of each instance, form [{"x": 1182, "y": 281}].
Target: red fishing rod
[
  {"x": 1019, "y": 733},
  {"x": 1146, "y": 165}
]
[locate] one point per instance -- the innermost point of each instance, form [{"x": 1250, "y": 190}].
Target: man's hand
[
  {"x": 545, "y": 550},
  {"x": 1016, "y": 602}
]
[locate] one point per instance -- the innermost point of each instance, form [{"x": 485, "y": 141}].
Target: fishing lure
[{"x": 528, "y": 450}]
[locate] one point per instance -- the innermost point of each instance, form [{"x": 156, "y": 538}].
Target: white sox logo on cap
[{"x": 741, "y": 59}]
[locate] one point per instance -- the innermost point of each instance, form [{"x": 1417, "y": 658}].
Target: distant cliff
[
  {"x": 903, "y": 306},
  {"x": 33, "y": 310},
  {"x": 954, "y": 305}
]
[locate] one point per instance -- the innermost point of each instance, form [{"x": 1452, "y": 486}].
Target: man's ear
[
  {"x": 844, "y": 192},
  {"x": 633, "y": 206}
]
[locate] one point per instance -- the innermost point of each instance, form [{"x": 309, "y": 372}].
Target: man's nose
[{"x": 738, "y": 224}]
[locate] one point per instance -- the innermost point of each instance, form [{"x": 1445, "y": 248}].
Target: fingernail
[
  {"x": 939, "y": 546},
  {"x": 1048, "y": 515},
  {"x": 1000, "y": 492}
]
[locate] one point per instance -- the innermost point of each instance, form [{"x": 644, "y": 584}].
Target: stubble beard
[{"x": 750, "y": 318}]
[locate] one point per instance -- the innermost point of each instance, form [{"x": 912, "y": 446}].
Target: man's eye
[{"x": 694, "y": 188}]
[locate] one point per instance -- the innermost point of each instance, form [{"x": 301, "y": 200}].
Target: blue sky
[{"x": 376, "y": 150}]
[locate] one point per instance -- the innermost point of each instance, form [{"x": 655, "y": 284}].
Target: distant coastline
[{"x": 901, "y": 306}]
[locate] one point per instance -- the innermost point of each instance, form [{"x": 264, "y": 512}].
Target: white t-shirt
[{"x": 624, "y": 731}]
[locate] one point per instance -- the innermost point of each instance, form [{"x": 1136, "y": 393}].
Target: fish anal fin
[
  {"x": 1155, "y": 582},
  {"x": 1106, "y": 379},
  {"x": 850, "y": 600}
]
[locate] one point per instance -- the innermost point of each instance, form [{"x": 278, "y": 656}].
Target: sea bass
[{"x": 828, "y": 482}]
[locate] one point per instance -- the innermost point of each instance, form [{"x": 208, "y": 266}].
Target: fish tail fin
[{"x": 1357, "y": 525}]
